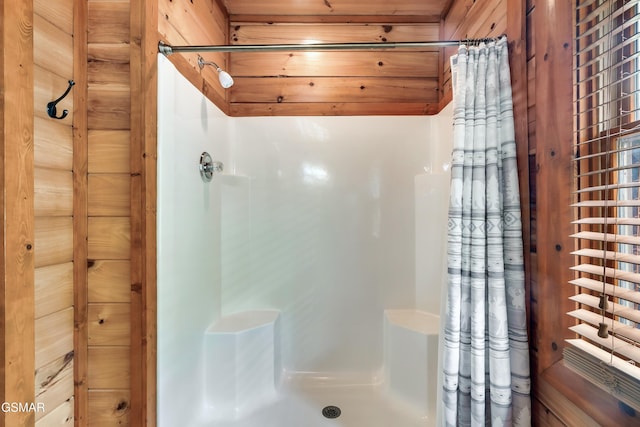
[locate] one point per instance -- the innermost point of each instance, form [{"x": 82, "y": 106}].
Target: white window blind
[{"x": 606, "y": 349}]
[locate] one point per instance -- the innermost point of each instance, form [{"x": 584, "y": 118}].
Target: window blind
[{"x": 606, "y": 347}]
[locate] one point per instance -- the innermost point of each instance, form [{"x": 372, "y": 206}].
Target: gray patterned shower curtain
[{"x": 486, "y": 352}]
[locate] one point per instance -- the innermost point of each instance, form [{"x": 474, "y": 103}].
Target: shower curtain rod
[{"x": 168, "y": 50}]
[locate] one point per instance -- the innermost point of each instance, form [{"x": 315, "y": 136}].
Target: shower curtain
[{"x": 486, "y": 353}]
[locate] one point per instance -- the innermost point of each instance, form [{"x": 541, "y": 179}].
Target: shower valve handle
[
  {"x": 208, "y": 166},
  {"x": 213, "y": 167}
]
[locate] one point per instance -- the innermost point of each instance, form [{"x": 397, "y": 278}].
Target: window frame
[
  {"x": 588, "y": 398},
  {"x": 559, "y": 394}
]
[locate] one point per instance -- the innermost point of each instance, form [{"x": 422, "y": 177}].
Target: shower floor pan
[
  {"x": 242, "y": 364},
  {"x": 359, "y": 406}
]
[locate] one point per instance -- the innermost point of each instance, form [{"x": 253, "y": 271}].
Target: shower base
[
  {"x": 245, "y": 385},
  {"x": 360, "y": 405}
]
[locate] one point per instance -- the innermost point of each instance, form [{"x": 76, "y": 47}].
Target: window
[{"x": 606, "y": 349}]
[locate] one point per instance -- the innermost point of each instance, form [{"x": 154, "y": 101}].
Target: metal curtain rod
[{"x": 168, "y": 50}]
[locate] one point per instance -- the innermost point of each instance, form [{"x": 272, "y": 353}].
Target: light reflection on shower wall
[{"x": 331, "y": 233}]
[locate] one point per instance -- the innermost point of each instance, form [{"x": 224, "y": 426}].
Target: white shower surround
[{"x": 315, "y": 217}]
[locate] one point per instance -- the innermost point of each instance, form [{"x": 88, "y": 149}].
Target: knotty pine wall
[
  {"x": 17, "y": 311},
  {"x": 334, "y": 83},
  {"x": 53, "y": 209},
  {"x": 108, "y": 294},
  {"x": 400, "y": 82},
  {"x": 547, "y": 61},
  {"x": 101, "y": 163}
]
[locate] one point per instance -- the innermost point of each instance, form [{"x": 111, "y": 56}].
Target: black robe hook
[{"x": 51, "y": 106}]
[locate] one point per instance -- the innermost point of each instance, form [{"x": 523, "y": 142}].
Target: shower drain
[{"x": 331, "y": 412}]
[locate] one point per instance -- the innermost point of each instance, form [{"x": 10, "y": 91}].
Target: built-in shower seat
[
  {"x": 411, "y": 357},
  {"x": 240, "y": 353}
]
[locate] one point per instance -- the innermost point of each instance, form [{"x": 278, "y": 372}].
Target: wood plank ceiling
[{"x": 383, "y": 82}]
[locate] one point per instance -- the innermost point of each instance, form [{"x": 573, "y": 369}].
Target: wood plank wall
[
  {"x": 53, "y": 187},
  {"x": 333, "y": 83},
  {"x": 143, "y": 163},
  {"x": 108, "y": 291},
  {"x": 17, "y": 346},
  {"x": 547, "y": 332},
  {"x": 310, "y": 83}
]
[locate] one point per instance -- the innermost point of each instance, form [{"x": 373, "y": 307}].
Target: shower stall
[{"x": 302, "y": 284}]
